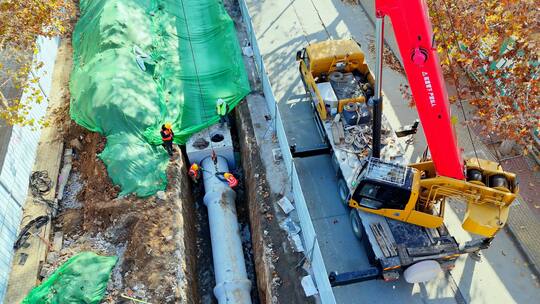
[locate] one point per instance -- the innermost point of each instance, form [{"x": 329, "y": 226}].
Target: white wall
[{"x": 19, "y": 162}]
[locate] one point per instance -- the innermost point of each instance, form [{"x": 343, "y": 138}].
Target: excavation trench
[
  {"x": 273, "y": 266},
  {"x": 163, "y": 242},
  {"x": 205, "y": 266}
]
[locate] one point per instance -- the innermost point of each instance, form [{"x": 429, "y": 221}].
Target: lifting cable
[
  {"x": 201, "y": 93},
  {"x": 456, "y": 79}
]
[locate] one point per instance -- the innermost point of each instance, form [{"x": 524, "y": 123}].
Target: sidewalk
[{"x": 524, "y": 222}]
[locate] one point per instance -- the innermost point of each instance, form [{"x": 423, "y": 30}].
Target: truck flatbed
[
  {"x": 393, "y": 244},
  {"x": 377, "y": 187}
]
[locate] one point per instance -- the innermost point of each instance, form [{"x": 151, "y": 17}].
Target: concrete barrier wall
[
  {"x": 313, "y": 251},
  {"x": 19, "y": 160}
]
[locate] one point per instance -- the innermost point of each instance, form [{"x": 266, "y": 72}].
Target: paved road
[{"x": 285, "y": 26}]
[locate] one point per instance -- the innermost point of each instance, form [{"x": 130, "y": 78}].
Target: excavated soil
[
  {"x": 279, "y": 270},
  {"x": 144, "y": 233},
  {"x": 153, "y": 238}
]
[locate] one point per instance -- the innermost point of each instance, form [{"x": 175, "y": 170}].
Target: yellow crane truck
[{"x": 397, "y": 210}]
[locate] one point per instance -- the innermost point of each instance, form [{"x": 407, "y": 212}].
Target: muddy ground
[
  {"x": 151, "y": 237},
  {"x": 148, "y": 235}
]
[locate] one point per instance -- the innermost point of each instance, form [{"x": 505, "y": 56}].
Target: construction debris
[
  {"x": 58, "y": 240},
  {"x": 64, "y": 173},
  {"x": 296, "y": 242},
  {"x": 309, "y": 286},
  {"x": 289, "y": 226},
  {"x": 76, "y": 143},
  {"x": 285, "y": 205}
]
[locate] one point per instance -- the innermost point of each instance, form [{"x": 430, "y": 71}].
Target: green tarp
[
  {"x": 138, "y": 64},
  {"x": 81, "y": 279}
]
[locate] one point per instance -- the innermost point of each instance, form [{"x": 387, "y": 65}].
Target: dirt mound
[
  {"x": 142, "y": 232},
  {"x": 87, "y": 145},
  {"x": 149, "y": 236}
]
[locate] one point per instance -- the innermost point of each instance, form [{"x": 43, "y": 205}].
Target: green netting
[
  {"x": 81, "y": 279},
  {"x": 190, "y": 65}
]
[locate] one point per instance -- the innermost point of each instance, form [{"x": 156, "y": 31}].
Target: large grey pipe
[{"x": 232, "y": 284}]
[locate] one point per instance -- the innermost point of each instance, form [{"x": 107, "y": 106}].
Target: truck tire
[
  {"x": 335, "y": 164},
  {"x": 343, "y": 191},
  {"x": 356, "y": 224},
  {"x": 423, "y": 271}
]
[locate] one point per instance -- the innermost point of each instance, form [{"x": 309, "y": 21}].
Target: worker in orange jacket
[
  {"x": 167, "y": 136},
  {"x": 194, "y": 172},
  {"x": 231, "y": 180}
]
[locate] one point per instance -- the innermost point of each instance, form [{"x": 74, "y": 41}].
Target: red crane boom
[{"x": 414, "y": 36}]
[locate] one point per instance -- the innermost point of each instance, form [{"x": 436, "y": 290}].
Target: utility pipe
[
  {"x": 377, "y": 100},
  {"x": 232, "y": 284}
]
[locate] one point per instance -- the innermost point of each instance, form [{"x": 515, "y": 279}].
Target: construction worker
[
  {"x": 194, "y": 172},
  {"x": 167, "y": 136},
  {"x": 231, "y": 180},
  {"x": 222, "y": 108}
]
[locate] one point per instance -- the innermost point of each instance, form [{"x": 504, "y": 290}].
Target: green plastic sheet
[
  {"x": 141, "y": 63},
  {"x": 81, "y": 279}
]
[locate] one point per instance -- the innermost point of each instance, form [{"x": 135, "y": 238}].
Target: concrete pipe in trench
[{"x": 232, "y": 284}]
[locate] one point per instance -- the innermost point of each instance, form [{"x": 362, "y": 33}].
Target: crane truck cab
[{"x": 391, "y": 190}]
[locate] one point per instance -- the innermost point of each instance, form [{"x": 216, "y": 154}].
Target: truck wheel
[
  {"x": 356, "y": 224},
  {"x": 343, "y": 191},
  {"x": 335, "y": 164},
  {"x": 422, "y": 271}
]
